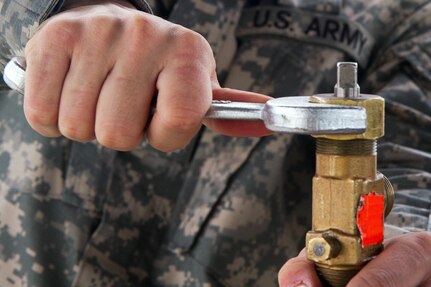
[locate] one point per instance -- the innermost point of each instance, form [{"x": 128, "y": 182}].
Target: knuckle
[
  {"x": 185, "y": 121},
  {"x": 191, "y": 47},
  {"x": 190, "y": 40},
  {"x": 76, "y": 129},
  {"x": 84, "y": 93},
  {"x": 140, "y": 23},
  {"x": 102, "y": 31},
  {"x": 174, "y": 131},
  {"x": 118, "y": 137},
  {"x": 424, "y": 239},
  {"x": 191, "y": 75},
  {"x": 140, "y": 31},
  {"x": 129, "y": 83},
  {"x": 106, "y": 22},
  {"x": 61, "y": 33},
  {"x": 420, "y": 245},
  {"x": 53, "y": 37},
  {"x": 31, "y": 46},
  {"x": 40, "y": 117},
  {"x": 143, "y": 48}
]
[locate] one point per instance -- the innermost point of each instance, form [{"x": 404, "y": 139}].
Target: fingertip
[
  {"x": 238, "y": 128},
  {"x": 184, "y": 96},
  {"x": 117, "y": 137},
  {"x": 76, "y": 131},
  {"x": 169, "y": 132},
  {"x": 298, "y": 271},
  {"x": 43, "y": 123},
  {"x": 239, "y": 95}
]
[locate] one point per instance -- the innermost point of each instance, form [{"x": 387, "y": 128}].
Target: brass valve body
[
  {"x": 345, "y": 170},
  {"x": 346, "y": 174}
]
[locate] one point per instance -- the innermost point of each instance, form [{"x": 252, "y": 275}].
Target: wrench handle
[{"x": 14, "y": 77}]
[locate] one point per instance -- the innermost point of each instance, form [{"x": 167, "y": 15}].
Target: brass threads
[
  {"x": 339, "y": 277},
  {"x": 357, "y": 147},
  {"x": 389, "y": 196}
]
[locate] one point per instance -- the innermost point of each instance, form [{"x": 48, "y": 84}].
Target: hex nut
[
  {"x": 375, "y": 110},
  {"x": 323, "y": 248}
]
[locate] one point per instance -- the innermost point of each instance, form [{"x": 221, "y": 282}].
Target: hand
[
  {"x": 405, "y": 262},
  {"x": 92, "y": 72}
]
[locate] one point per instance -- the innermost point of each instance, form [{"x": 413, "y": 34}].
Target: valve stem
[{"x": 347, "y": 80}]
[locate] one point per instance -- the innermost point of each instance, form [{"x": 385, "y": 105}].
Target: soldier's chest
[{"x": 278, "y": 47}]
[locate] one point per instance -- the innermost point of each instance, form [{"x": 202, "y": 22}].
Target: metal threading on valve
[
  {"x": 336, "y": 277},
  {"x": 358, "y": 147},
  {"x": 346, "y": 87}
]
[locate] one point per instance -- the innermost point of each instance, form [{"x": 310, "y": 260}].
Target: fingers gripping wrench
[{"x": 289, "y": 114}]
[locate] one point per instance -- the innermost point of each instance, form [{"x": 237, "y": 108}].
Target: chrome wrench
[{"x": 288, "y": 114}]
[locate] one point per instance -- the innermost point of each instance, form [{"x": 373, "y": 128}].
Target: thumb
[
  {"x": 239, "y": 128},
  {"x": 298, "y": 272}
]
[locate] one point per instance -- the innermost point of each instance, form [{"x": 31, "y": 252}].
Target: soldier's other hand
[
  {"x": 92, "y": 72},
  {"x": 405, "y": 262}
]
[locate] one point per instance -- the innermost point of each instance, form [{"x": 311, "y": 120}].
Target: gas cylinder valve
[{"x": 350, "y": 197}]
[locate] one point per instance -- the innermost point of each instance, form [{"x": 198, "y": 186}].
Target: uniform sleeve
[
  {"x": 162, "y": 8},
  {"x": 401, "y": 73},
  {"x": 19, "y": 20}
]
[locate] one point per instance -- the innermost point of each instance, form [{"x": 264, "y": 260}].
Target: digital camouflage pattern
[{"x": 224, "y": 211}]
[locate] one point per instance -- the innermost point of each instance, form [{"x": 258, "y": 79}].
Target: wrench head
[{"x": 298, "y": 115}]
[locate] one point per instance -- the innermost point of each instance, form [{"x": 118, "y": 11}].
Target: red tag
[{"x": 370, "y": 217}]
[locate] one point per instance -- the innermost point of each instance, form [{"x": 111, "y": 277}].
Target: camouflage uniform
[{"x": 224, "y": 211}]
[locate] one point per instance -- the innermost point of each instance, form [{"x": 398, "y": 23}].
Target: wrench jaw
[
  {"x": 300, "y": 116},
  {"x": 374, "y": 108}
]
